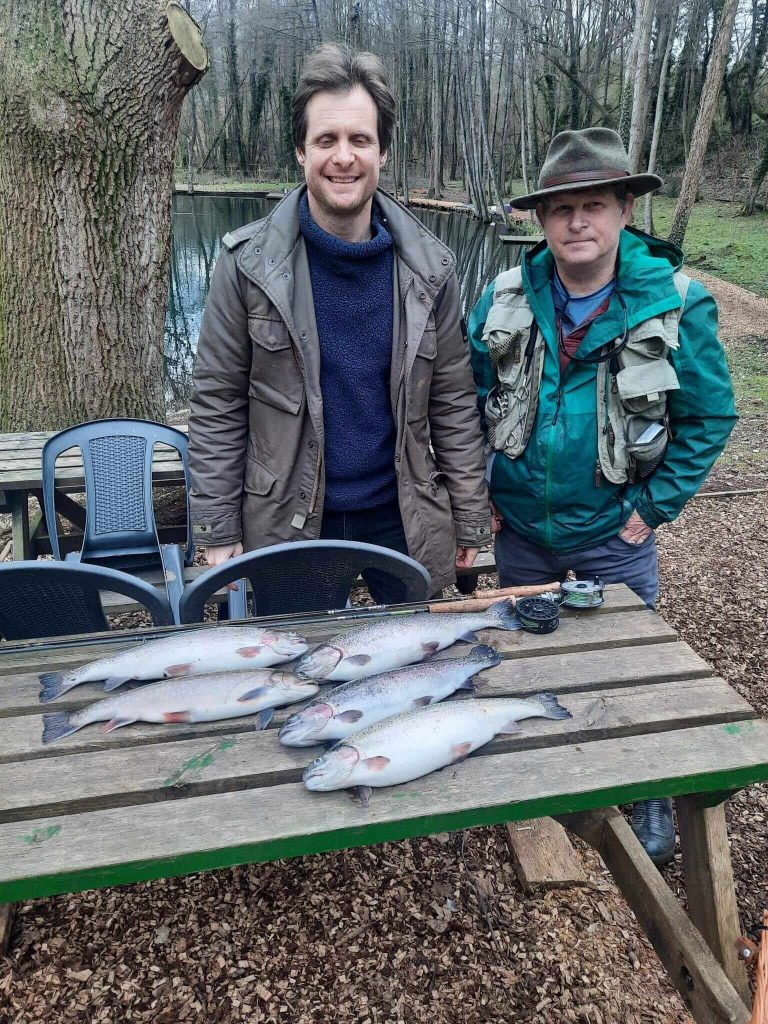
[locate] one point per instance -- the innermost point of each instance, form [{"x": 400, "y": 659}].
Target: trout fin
[
  {"x": 362, "y": 795},
  {"x": 504, "y": 614},
  {"x": 177, "y": 670},
  {"x": 484, "y": 652},
  {"x": 51, "y": 686},
  {"x": 264, "y": 718},
  {"x": 461, "y": 751},
  {"x": 421, "y": 702},
  {"x": 470, "y": 637},
  {"x": 431, "y": 647},
  {"x": 57, "y": 726},
  {"x": 349, "y": 716},
  {"x": 357, "y": 659},
  {"x": 376, "y": 764},
  {"x": 259, "y": 691},
  {"x": 112, "y": 682},
  {"x": 117, "y": 723},
  {"x": 468, "y": 685},
  {"x": 509, "y": 728},
  {"x": 552, "y": 706}
]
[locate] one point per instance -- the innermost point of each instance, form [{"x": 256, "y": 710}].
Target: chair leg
[
  {"x": 238, "y": 601},
  {"x": 172, "y": 557}
]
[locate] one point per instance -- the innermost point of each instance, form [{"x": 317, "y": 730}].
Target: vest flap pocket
[
  {"x": 258, "y": 479},
  {"x": 277, "y": 399},
  {"x": 506, "y": 318},
  {"x": 647, "y": 381},
  {"x": 269, "y": 334},
  {"x": 661, "y": 330}
]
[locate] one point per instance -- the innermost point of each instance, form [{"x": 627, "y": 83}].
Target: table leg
[
  {"x": 6, "y": 924},
  {"x": 709, "y": 884},
  {"x": 22, "y": 549},
  {"x": 691, "y": 965}
]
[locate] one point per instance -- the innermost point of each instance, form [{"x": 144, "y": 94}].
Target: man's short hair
[{"x": 332, "y": 68}]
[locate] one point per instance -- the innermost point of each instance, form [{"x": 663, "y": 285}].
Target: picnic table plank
[
  {"x": 114, "y": 846},
  {"x": 151, "y": 762},
  {"x": 578, "y": 631},
  {"x": 560, "y": 673}
]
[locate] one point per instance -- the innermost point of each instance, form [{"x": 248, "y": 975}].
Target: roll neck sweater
[{"x": 352, "y": 291}]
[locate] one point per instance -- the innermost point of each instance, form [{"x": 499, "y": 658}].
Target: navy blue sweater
[{"x": 353, "y": 297}]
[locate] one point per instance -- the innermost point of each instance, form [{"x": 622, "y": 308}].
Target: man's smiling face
[{"x": 341, "y": 155}]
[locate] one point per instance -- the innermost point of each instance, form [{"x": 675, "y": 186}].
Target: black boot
[{"x": 652, "y": 824}]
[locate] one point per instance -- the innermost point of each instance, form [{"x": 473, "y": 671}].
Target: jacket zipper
[{"x": 548, "y": 466}]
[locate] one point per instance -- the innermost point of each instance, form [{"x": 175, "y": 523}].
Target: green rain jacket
[{"x": 550, "y": 493}]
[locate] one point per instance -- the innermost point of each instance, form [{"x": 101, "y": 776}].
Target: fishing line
[{"x": 582, "y": 593}]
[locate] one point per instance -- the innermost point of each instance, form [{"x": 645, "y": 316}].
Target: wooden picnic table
[
  {"x": 650, "y": 719},
  {"x": 21, "y": 477}
]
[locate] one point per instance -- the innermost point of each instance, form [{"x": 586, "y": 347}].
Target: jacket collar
[
  {"x": 646, "y": 266},
  {"x": 270, "y": 252}
]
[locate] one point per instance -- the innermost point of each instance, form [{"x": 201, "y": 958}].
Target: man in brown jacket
[{"x": 333, "y": 396}]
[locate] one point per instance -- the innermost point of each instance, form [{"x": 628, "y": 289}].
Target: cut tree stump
[{"x": 543, "y": 855}]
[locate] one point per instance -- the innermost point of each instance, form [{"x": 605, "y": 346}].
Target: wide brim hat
[{"x": 584, "y": 159}]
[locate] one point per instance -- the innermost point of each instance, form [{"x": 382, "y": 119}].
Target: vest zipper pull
[{"x": 598, "y": 474}]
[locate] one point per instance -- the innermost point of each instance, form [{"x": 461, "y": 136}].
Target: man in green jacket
[{"x": 604, "y": 389}]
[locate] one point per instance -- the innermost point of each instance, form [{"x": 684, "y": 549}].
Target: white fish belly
[{"x": 421, "y": 749}]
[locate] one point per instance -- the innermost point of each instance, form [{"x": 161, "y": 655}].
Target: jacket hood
[{"x": 272, "y": 240}]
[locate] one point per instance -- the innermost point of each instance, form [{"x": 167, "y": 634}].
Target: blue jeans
[
  {"x": 383, "y": 526},
  {"x": 520, "y": 562}
]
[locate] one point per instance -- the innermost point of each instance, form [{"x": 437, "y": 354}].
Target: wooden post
[
  {"x": 702, "y": 983},
  {"x": 709, "y": 884},
  {"x": 17, "y": 501},
  {"x": 6, "y": 925}
]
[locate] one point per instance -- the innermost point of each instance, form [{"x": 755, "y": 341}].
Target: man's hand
[
  {"x": 497, "y": 520},
  {"x": 635, "y": 530},
  {"x": 465, "y": 557},
  {"x": 221, "y": 553}
]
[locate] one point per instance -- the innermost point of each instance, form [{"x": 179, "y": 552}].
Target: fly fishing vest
[{"x": 632, "y": 420}]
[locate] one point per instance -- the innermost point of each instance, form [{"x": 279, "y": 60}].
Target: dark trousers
[
  {"x": 615, "y": 561},
  {"x": 383, "y": 526}
]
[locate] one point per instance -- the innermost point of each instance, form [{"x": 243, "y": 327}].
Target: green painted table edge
[{"x": 376, "y": 832}]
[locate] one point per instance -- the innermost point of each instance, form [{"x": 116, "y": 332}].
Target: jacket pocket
[
  {"x": 287, "y": 400},
  {"x": 268, "y": 333},
  {"x": 420, "y": 379},
  {"x": 258, "y": 479}
]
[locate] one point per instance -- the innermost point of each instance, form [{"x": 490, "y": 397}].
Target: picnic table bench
[{"x": 650, "y": 719}]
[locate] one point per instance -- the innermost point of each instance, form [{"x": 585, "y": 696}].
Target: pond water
[{"x": 200, "y": 222}]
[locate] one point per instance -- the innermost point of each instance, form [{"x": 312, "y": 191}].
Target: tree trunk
[
  {"x": 639, "y": 105},
  {"x": 671, "y": 25},
  {"x": 90, "y": 100},
  {"x": 757, "y": 182},
  {"x": 700, "y": 137}
]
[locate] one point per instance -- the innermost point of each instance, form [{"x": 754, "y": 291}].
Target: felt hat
[{"x": 588, "y": 158}]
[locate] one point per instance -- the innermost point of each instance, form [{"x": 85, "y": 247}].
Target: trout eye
[{"x": 317, "y": 762}]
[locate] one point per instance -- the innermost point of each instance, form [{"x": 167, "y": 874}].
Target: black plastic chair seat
[{"x": 39, "y": 599}]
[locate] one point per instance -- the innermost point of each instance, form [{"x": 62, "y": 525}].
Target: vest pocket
[{"x": 643, "y": 386}]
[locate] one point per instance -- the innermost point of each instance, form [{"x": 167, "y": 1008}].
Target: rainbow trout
[
  {"x": 416, "y": 743},
  {"x": 353, "y": 706},
  {"x": 196, "y": 699},
  {"x": 190, "y": 653},
  {"x": 395, "y": 642}
]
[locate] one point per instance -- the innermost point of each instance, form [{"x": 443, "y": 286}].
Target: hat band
[{"x": 567, "y": 179}]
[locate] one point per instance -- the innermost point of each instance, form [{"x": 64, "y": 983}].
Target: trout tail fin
[
  {"x": 503, "y": 614},
  {"x": 57, "y": 726},
  {"x": 51, "y": 686},
  {"x": 552, "y": 708}
]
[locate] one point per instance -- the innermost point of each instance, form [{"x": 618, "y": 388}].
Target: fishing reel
[
  {"x": 582, "y": 593},
  {"x": 539, "y": 614}
]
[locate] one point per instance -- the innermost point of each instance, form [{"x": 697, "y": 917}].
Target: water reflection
[{"x": 199, "y": 224}]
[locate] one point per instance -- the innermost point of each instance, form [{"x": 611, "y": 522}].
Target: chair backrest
[
  {"x": 304, "y": 576},
  {"x": 62, "y": 598},
  {"x": 117, "y": 464}
]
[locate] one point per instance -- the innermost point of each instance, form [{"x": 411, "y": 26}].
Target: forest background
[{"x": 483, "y": 88}]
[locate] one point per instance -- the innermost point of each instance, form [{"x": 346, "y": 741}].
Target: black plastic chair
[
  {"x": 304, "y": 576},
  {"x": 40, "y": 599},
  {"x": 120, "y": 528}
]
